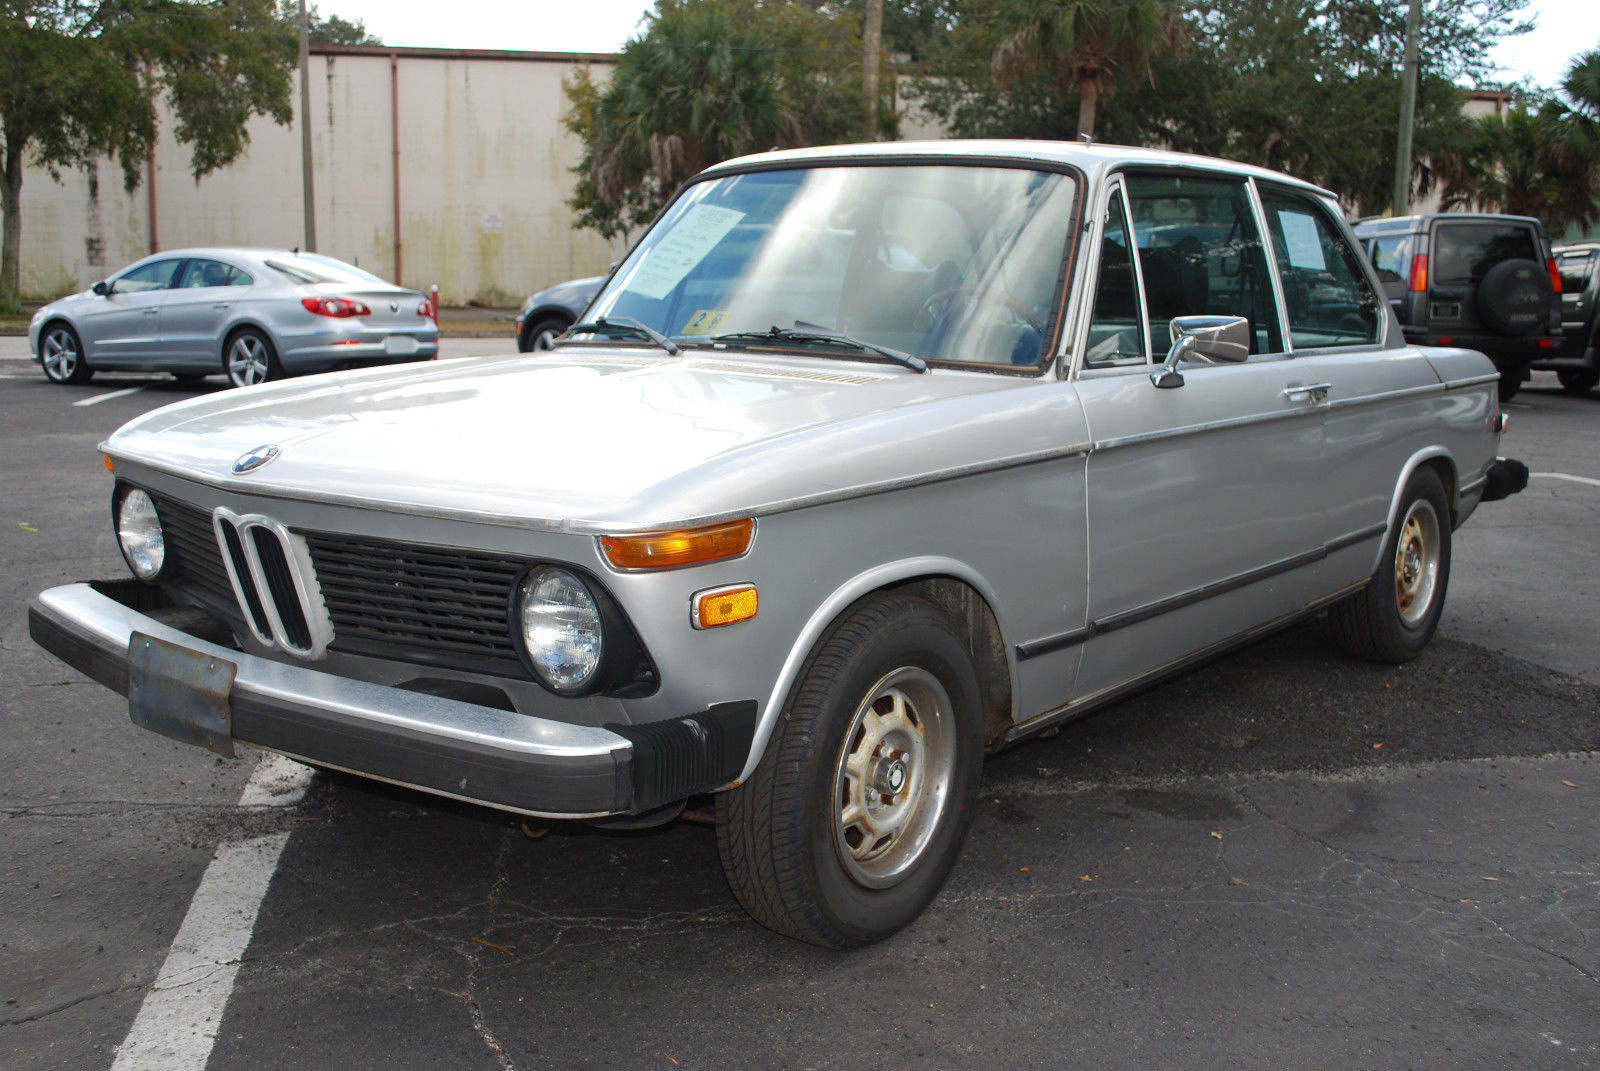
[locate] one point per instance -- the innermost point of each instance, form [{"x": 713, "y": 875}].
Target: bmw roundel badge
[{"x": 249, "y": 462}]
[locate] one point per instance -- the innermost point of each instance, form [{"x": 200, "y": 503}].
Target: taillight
[
  {"x": 337, "y": 307},
  {"x": 1419, "y": 273},
  {"x": 424, "y": 309},
  {"x": 1555, "y": 277}
]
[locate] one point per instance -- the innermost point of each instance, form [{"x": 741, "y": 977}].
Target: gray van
[
  {"x": 1472, "y": 280},
  {"x": 1577, "y": 359}
]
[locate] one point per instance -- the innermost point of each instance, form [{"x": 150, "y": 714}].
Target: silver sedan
[{"x": 250, "y": 314}]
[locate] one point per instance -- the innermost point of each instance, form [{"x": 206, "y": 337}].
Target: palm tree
[{"x": 1085, "y": 44}]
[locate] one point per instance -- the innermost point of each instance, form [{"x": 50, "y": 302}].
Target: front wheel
[
  {"x": 61, "y": 355},
  {"x": 540, "y": 335},
  {"x": 249, "y": 359},
  {"x": 1393, "y": 617},
  {"x": 852, "y": 821}
]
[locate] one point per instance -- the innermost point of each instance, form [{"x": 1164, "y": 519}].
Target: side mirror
[
  {"x": 1213, "y": 339},
  {"x": 101, "y": 288}
]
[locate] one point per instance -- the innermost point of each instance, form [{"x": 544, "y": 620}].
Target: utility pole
[
  {"x": 305, "y": 131},
  {"x": 871, "y": 48},
  {"x": 1408, "y": 113}
]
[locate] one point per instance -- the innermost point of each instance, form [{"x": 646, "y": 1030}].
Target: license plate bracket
[
  {"x": 399, "y": 345},
  {"x": 180, "y": 693}
]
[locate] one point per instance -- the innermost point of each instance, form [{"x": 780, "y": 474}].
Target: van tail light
[
  {"x": 1555, "y": 277},
  {"x": 1419, "y": 273},
  {"x": 337, "y": 307}
]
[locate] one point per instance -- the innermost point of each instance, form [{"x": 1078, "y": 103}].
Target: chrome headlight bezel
[
  {"x": 141, "y": 537},
  {"x": 620, "y": 668}
]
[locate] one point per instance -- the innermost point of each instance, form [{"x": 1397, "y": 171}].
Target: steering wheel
[{"x": 935, "y": 311}]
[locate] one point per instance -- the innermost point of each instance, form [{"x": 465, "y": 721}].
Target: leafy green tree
[
  {"x": 330, "y": 30},
  {"x": 1084, "y": 45},
  {"x": 1311, "y": 87},
  {"x": 709, "y": 79},
  {"x": 80, "y": 79}
]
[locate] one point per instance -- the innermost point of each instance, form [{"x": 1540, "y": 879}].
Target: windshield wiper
[
  {"x": 804, "y": 332},
  {"x": 622, "y": 323}
]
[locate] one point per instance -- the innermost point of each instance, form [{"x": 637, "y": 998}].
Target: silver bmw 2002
[{"x": 865, "y": 462}]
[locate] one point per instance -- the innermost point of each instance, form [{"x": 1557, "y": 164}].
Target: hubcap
[
  {"x": 60, "y": 355},
  {"x": 893, "y": 776},
  {"x": 247, "y": 361},
  {"x": 1416, "y": 563}
]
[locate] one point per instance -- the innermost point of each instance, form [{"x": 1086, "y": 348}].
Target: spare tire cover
[{"x": 1514, "y": 297}]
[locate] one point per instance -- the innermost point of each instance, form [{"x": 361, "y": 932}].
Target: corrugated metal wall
[{"x": 483, "y": 166}]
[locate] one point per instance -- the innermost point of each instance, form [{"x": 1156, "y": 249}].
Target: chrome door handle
[
  {"x": 151, "y": 312},
  {"x": 1311, "y": 392},
  {"x": 221, "y": 304}
]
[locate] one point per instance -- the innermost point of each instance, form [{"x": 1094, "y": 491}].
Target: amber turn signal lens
[
  {"x": 688, "y": 546},
  {"x": 107, "y": 459},
  {"x": 727, "y": 606}
]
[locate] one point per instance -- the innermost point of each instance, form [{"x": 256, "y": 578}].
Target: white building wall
[{"x": 484, "y": 176}]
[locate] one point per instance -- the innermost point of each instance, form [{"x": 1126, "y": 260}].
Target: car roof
[
  {"x": 1413, "y": 224},
  {"x": 1093, "y": 160}
]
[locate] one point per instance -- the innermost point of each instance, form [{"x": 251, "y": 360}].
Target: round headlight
[
  {"x": 560, "y": 628},
  {"x": 139, "y": 534}
]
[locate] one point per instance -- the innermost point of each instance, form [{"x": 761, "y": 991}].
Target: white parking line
[
  {"x": 177, "y": 1025},
  {"x": 98, "y": 398},
  {"x": 1564, "y": 476}
]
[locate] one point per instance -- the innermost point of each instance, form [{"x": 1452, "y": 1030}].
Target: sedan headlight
[
  {"x": 561, "y": 628},
  {"x": 144, "y": 545}
]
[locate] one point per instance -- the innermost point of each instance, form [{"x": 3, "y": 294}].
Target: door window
[
  {"x": 203, "y": 273},
  {"x": 1200, "y": 254},
  {"x": 1327, "y": 296},
  {"x": 157, "y": 275},
  {"x": 1116, "y": 330}
]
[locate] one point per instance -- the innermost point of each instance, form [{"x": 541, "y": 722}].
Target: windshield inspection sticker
[
  {"x": 694, "y": 235},
  {"x": 1300, "y": 235},
  {"x": 705, "y": 321}
]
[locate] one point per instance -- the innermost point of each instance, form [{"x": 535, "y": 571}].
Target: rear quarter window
[
  {"x": 1466, "y": 251},
  {"x": 1575, "y": 271}
]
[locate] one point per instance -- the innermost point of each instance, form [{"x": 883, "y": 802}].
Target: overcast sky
[{"x": 1565, "y": 28}]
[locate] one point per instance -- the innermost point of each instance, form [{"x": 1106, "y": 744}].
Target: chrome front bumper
[{"x": 444, "y": 746}]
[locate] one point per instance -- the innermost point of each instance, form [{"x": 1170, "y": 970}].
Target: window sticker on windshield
[
  {"x": 1300, "y": 235},
  {"x": 705, "y": 321},
  {"x": 694, "y": 235}
]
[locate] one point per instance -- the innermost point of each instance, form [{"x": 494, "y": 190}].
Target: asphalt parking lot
[{"x": 1285, "y": 859}]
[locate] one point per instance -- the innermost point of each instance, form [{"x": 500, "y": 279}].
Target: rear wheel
[
  {"x": 61, "y": 355},
  {"x": 1578, "y": 380},
  {"x": 853, "y": 820},
  {"x": 1393, "y": 617},
  {"x": 249, "y": 358}
]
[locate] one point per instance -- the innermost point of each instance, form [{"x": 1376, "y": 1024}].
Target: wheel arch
[
  {"x": 1440, "y": 461},
  {"x": 233, "y": 330},
  {"x": 957, "y": 590}
]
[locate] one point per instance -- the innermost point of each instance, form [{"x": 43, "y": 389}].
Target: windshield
[{"x": 946, "y": 263}]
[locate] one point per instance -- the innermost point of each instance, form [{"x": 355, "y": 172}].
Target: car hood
[{"x": 610, "y": 440}]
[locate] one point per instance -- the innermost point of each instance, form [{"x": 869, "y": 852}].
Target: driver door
[
  {"x": 124, "y": 325},
  {"x": 1203, "y": 500}
]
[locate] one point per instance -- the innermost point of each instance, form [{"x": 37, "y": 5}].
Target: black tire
[
  {"x": 537, "y": 334},
  {"x": 1515, "y": 298},
  {"x": 1578, "y": 380},
  {"x": 61, "y": 355},
  {"x": 248, "y": 358},
  {"x": 188, "y": 377},
  {"x": 1393, "y": 617},
  {"x": 1510, "y": 383},
  {"x": 891, "y": 694}
]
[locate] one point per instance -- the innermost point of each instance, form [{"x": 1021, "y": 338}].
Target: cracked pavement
[{"x": 1284, "y": 859}]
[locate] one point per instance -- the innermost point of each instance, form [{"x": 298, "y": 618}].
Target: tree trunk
[
  {"x": 871, "y": 47},
  {"x": 11, "y": 230},
  {"x": 1088, "y": 96}
]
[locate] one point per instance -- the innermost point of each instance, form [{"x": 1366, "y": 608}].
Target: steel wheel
[
  {"x": 893, "y": 777},
  {"x": 851, "y": 821},
  {"x": 61, "y": 356},
  {"x": 1416, "y": 563},
  {"x": 1395, "y": 615},
  {"x": 250, "y": 360}
]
